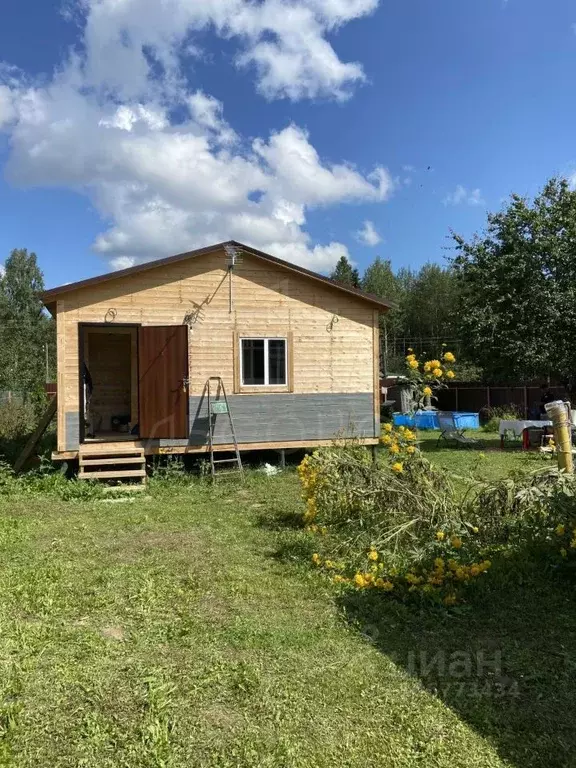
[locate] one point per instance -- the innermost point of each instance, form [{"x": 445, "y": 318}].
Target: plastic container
[{"x": 429, "y": 420}]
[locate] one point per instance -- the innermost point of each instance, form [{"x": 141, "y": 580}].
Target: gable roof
[{"x": 49, "y": 296}]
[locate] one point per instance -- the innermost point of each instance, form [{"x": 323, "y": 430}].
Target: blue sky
[{"x": 461, "y": 103}]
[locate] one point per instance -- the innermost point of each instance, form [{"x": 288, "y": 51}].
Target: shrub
[
  {"x": 492, "y": 416},
  {"x": 410, "y": 534}
]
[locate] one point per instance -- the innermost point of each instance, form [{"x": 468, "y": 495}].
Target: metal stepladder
[{"x": 219, "y": 405}]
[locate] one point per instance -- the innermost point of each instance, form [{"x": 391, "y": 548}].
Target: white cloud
[
  {"x": 7, "y": 111},
  {"x": 285, "y": 40},
  {"x": 463, "y": 196},
  {"x": 368, "y": 234},
  {"x": 105, "y": 126}
]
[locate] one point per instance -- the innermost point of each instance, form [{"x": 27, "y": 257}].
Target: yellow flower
[
  {"x": 450, "y": 374},
  {"x": 411, "y": 578},
  {"x": 440, "y": 535},
  {"x": 437, "y": 372},
  {"x": 475, "y": 570},
  {"x": 413, "y": 364},
  {"x": 560, "y": 530},
  {"x": 316, "y": 559},
  {"x": 439, "y": 562},
  {"x": 388, "y": 427},
  {"x": 338, "y": 579},
  {"x": 329, "y": 564},
  {"x": 449, "y": 600},
  {"x": 398, "y": 467},
  {"x": 435, "y": 363},
  {"x": 427, "y": 391},
  {"x": 409, "y": 435},
  {"x": 359, "y": 581},
  {"x": 386, "y": 440},
  {"x": 427, "y": 367},
  {"x": 449, "y": 357},
  {"x": 388, "y": 586},
  {"x": 394, "y": 448},
  {"x": 475, "y": 529},
  {"x": 410, "y": 449},
  {"x": 456, "y": 542},
  {"x": 372, "y": 555},
  {"x": 410, "y": 357}
]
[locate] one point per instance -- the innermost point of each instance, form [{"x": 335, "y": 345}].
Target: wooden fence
[{"x": 478, "y": 398}]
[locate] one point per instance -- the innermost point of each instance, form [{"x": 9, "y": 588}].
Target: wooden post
[{"x": 36, "y": 435}]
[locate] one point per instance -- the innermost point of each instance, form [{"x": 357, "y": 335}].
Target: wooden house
[{"x": 296, "y": 352}]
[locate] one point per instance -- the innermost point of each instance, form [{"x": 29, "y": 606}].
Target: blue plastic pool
[{"x": 429, "y": 420}]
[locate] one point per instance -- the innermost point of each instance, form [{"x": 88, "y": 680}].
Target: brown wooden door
[{"x": 163, "y": 378}]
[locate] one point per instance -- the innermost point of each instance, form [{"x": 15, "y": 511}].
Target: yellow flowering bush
[
  {"x": 426, "y": 375},
  {"x": 398, "y": 527}
]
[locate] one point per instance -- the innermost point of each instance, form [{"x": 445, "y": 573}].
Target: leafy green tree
[
  {"x": 429, "y": 303},
  {"x": 518, "y": 287},
  {"x": 345, "y": 273},
  {"x": 25, "y": 328},
  {"x": 379, "y": 279}
]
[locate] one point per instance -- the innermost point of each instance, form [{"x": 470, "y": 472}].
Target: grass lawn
[
  {"x": 487, "y": 462},
  {"x": 166, "y": 632}
]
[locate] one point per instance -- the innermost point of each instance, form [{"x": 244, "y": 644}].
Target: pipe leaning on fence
[{"x": 559, "y": 412}]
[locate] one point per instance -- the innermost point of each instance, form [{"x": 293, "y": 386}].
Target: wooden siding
[{"x": 332, "y": 334}]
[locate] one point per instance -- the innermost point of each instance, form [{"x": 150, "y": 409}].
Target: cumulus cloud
[
  {"x": 368, "y": 235},
  {"x": 463, "y": 196},
  {"x": 105, "y": 126},
  {"x": 7, "y": 111}
]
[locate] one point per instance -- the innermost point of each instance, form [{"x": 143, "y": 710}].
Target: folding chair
[{"x": 450, "y": 431}]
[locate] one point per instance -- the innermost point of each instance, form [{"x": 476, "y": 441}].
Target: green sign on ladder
[{"x": 219, "y": 407}]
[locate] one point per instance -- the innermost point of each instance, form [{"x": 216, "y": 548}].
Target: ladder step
[
  {"x": 112, "y": 475},
  {"x": 226, "y": 461},
  {"x": 118, "y": 460}
]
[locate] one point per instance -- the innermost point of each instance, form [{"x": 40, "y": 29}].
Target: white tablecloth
[{"x": 517, "y": 426}]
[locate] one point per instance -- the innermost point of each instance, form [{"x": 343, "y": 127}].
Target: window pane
[
  {"x": 277, "y": 361},
  {"x": 252, "y": 361}
]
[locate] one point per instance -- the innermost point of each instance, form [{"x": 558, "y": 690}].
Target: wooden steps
[{"x": 118, "y": 464}]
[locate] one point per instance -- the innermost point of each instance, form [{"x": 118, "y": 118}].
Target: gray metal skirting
[
  {"x": 272, "y": 418},
  {"x": 277, "y": 418}
]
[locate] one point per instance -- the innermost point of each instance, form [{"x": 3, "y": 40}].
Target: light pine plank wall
[{"x": 332, "y": 333}]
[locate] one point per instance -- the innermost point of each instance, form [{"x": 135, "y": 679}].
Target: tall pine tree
[
  {"x": 345, "y": 273},
  {"x": 25, "y": 329}
]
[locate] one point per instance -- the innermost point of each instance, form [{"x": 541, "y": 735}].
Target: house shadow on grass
[{"x": 505, "y": 663}]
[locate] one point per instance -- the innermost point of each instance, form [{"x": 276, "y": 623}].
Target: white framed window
[{"x": 263, "y": 362}]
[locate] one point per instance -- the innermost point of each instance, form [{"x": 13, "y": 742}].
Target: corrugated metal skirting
[
  {"x": 277, "y": 418},
  {"x": 270, "y": 418}
]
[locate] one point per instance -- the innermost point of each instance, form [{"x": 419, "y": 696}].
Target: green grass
[
  {"x": 167, "y": 632},
  {"x": 486, "y": 462}
]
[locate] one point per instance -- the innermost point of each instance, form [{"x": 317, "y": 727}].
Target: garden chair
[{"x": 450, "y": 431}]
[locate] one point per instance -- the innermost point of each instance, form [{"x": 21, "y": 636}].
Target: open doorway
[{"x": 109, "y": 382}]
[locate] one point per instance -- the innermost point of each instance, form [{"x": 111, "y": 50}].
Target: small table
[{"x": 520, "y": 429}]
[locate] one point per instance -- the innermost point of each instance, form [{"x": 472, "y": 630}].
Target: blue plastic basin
[{"x": 429, "y": 420}]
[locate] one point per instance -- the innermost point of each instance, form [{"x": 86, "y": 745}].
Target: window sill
[{"x": 264, "y": 390}]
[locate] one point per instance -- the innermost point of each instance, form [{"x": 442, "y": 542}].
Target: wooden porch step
[
  {"x": 99, "y": 453},
  {"x": 112, "y": 475},
  {"x": 118, "y": 460}
]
